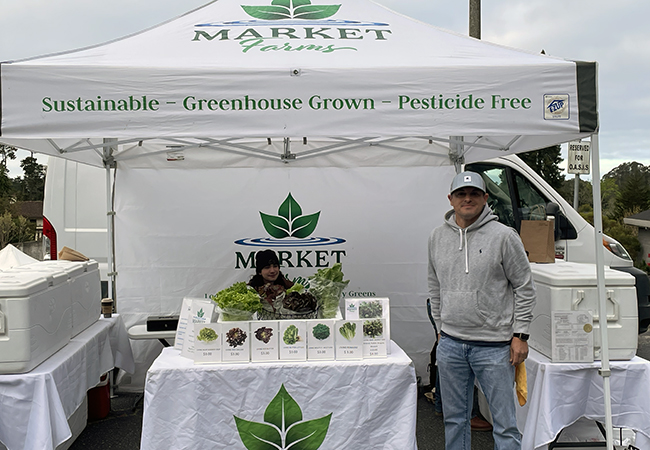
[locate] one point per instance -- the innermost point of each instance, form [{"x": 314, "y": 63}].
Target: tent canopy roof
[{"x": 286, "y": 81}]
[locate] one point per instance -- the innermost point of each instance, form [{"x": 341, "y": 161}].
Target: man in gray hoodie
[{"x": 482, "y": 298}]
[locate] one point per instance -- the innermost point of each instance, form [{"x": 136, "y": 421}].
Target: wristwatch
[{"x": 522, "y": 336}]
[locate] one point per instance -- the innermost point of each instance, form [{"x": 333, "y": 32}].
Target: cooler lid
[
  {"x": 53, "y": 275},
  {"x": 569, "y": 274},
  {"x": 21, "y": 284},
  {"x": 72, "y": 268}
]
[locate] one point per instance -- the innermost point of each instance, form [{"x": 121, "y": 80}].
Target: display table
[
  {"x": 372, "y": 402},
  {"x": 560, "y": 393},
  {"x": 37, "y": 404}
]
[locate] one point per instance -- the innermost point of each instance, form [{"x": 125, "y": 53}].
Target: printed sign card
[
  {"x": 293, "y": 340},
  {"x": 236, "y": 341},
  {"x": 320, "y": 339},
  {"x": 374, "y": 342},
  {"x": 193, "y": 310},
  {"x": 207, "y": 343},
  {"x": 572, "y": 337},
  {"x": 348, "y": 339},
  {"x": 264, "y": 341},
  {"x": 370, "y": 308}
]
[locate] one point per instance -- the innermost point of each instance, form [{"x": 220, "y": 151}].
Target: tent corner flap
[{"x": 586, "y": 79}]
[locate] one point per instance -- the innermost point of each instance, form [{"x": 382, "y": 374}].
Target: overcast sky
[{"x": 613, "y": 33}]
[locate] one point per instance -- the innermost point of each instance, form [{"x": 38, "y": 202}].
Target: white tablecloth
[
  {"x": 36, "y": 405},
  {"x": 373, "y": 403},
  {"x": 561, "y": 393}
]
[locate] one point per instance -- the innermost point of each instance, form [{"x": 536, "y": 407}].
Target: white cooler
[
  {"x": 85, "y": 288},
  {"x": 566, "y": 286},
  {"x": 36, "y": 315}
]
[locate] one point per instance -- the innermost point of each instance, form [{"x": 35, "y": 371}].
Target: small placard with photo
[
  {"x": 374, "y": 342},
  {"x": 320, "y": 339},
  {"x": 293, "y": 340},
  {"x": 236, "y": 341},
  {"x": 349, "y": 339},
  {"x": 264, "y": 341},
  {"x": 207, "y": 343}
]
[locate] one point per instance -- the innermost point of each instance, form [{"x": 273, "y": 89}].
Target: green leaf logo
[
  {"x": 284, "y": 428},
  {"x": 290, "y": 222},
  {"x": 200, "y": 313},
  {"x": 291, "y": 9}
]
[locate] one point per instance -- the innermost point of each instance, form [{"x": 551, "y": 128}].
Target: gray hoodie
[{"x": 480, "y": 281}]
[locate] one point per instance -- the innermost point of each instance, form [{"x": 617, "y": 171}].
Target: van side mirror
[{"x": 563, "y": 228}]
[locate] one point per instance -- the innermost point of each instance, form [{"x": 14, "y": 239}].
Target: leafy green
[
  {"x": 207, "y": 335},
  {"x": 297, "y": 287},
  {"x": 370, "y": 310},
  {"x": 321, "y": 331},
  {"x": 373, "y": 328},
  {"x": 238, "y": 300},
  {"x": 348, "y": 330},
  {"x": 327, "y": 285},
  {"x": 291, "y": 335}
]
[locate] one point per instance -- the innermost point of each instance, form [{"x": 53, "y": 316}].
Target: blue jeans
[{"x": 459, "y": 363}]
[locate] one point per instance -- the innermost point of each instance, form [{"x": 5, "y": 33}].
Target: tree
[
  {"x": 32, "y": 185},
  {"x": 6, "y": 188},
  {"x": 546, "y": 162},
  {"x": 634, "y": 195},
  {"x": 623, "y": 171}
]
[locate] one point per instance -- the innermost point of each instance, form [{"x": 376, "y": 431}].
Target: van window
[
  {"x": 499, "y": 198},
  {"x": 507, "y": 187},
  {"x": 531, "y": 205}
]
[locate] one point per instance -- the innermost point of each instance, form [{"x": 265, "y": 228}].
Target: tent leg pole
[{"x": 600, "y": 279}]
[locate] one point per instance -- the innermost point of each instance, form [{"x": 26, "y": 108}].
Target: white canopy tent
[{"x": 290, "y": 84}]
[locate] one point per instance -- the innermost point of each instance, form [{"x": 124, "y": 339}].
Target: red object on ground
[{"x": 99, "y": 400}]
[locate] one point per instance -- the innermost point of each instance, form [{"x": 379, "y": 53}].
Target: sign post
[{"x": 578, "y": 162}]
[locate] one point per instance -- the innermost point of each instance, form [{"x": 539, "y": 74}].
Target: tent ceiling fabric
[{"x": 360, "y": 83}]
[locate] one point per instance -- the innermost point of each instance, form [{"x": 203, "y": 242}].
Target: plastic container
[{"x": 99, "y": 399}]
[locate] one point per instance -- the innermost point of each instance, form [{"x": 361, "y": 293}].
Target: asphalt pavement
[{"x": 122, "y": 428}]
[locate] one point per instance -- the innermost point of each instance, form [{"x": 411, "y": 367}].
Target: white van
[{"x": 74, "y": 212}]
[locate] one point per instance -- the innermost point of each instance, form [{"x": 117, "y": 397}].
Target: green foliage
[
  {"x": 238, "y": 297},
  {"x": 373, "y": 328},
  {"x": 616, "y": 229},
  {"x": 207, "y": 335},
  {"x": 327, "y": 286},
  {"x": 15, "y": 229},
  {"x": 348, "y": 330},
  {"x": 291, "y": 335},
  {"x": 32, "y": 185},
  {"x": 546, "y": 163},
  {"x": 321, "y": 331},
  {"x": 634, "y": 195}
]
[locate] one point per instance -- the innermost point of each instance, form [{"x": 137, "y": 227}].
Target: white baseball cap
[{"x": 467, "y": 179}]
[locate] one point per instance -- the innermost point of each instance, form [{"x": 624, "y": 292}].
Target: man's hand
[{"x": 518, "y": 351}]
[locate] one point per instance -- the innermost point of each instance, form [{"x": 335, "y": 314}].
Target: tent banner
[
  {"x": 141, "y": 102},
  {"x": 269, "y": 69},
  {"x": 193, "y": 233}
]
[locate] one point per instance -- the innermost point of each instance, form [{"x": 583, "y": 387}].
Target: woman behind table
[{"x": 268, "y": 280}]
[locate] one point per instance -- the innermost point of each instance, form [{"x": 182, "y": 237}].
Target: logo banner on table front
[{"x": 192, "y": 233}]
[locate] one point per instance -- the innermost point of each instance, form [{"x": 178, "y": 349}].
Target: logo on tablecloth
[{"x": 283, "y": 427}]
